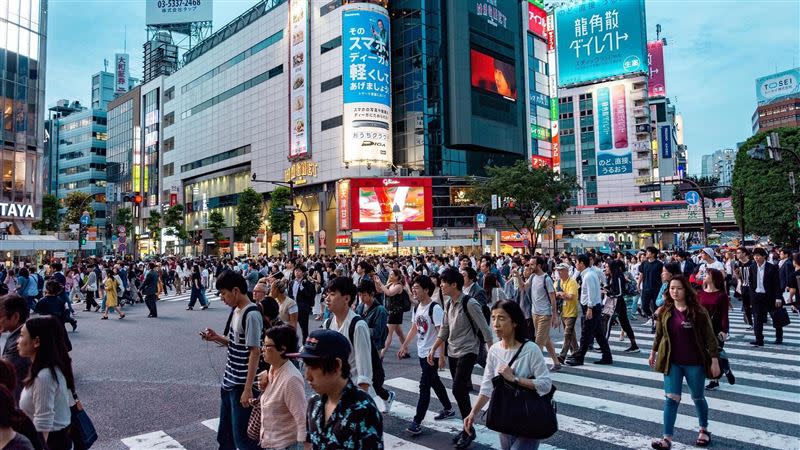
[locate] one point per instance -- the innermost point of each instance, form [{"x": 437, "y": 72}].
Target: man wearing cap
[
  {"x": 340, "y": 415},
  {"x": 567, "y": 293},
  {"x": 709, "y": 262}
]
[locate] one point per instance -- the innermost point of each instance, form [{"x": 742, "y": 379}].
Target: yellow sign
[
  {"x": 642, "y": 180},
  {"x": 298, "y": 171}
]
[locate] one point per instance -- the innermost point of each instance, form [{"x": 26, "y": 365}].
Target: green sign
[
  {"x": 540, "y": 133},
  {"x": 553, "y": 109},
  {"x": 538, "y": 3}
]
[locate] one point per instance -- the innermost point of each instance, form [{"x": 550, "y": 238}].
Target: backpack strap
[
  {"x": 327, "y": 324},
  {"x": 351, "y": 331},
  {"x": 464, "y": 302}
]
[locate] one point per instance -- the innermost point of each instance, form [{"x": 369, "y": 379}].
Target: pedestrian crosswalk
[{"x": 618, "y": 406}]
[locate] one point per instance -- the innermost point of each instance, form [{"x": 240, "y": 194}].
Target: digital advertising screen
[
  {"x": 373, "y": 200},
  {"x": 492, "y": 75}
]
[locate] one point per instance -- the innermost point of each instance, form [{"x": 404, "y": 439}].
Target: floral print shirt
[{"x": 356, "y": 422}]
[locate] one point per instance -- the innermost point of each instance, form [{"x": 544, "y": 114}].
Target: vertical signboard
[
  {"x": 666, "y": 142},
  {"x": 656, "y": 82},
  {"x": 612, "y": 137},
  {"x": 599, "y": 39},
  {"x": 551, "y": 63},
  {"x": 537, "y": 20},
  {"x": 121, "y": 72},
  {"x": 367, "y": 84},
  {"x": 343, "y": 204},
  {"x": 299, "y": 127},
  {"x": 605, "y": 140}
]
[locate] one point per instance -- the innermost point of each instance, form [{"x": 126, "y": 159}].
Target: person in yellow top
[
  {"x": 111, "y": 285},
  {"x": 567, "y": 292}
]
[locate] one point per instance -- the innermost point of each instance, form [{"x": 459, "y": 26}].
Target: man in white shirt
[
  {"x": 590, "y": 299},
  {"x": 709, "y": 262}
]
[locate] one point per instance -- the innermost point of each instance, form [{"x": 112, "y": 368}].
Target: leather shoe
[
  {"x": 757, "y": 344},
  {"x": 573, "y": 362},
  {"x": 457, "y": 437},
  {"x": 466, "y": 440},
  {"x": 778, "y": 341},
  {"x": 604, "y": 361}
]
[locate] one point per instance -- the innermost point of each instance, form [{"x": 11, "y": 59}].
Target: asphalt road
[{"x": 153, "y": 383}]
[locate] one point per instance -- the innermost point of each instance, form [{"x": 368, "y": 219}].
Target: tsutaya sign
[{"x": 16, "y": 210}]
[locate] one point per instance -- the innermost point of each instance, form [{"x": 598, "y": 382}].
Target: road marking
[
  {"x": 212, "y": 424},
  {"x": 156, "y": 440}
]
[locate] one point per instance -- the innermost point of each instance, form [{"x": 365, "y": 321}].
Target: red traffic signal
[{"x": 137, "y": 198}]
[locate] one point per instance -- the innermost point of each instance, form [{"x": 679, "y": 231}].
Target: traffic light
[
  {"x": 708, "y": 228},
  {"x": 83, "y": 232},
  {"x": 137, "y": 198},
  {"x": 474, "y": 236}
]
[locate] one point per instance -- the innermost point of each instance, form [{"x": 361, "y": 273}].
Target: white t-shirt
[{"x": 426, "y": 332}]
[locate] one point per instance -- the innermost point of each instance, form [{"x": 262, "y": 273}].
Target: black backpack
[
  {"x": 482, "y": 354},
  {"x": 378, "y": 375}
]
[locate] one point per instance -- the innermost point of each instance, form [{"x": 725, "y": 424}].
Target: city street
[{"x": 152, "y": 383}]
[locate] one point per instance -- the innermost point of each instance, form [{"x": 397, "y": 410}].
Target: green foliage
[
  {"x": 154, "y": 225},
  {"x": 279, "y": 245},
  {"x": 125, "y": 218},
  {"x": 769, "y": 206},
  {"x": 530, "y": 195},
  {"x": 709, "y": 185},
  {"x": 76, "y": 203},
  {"x": 49, "y": 220},
  {"x": 216, "y": 222},
  {"x": 248, "y": 215},
  {"x": 173, "y": 220},
  {"x": 280, "y": 221}
]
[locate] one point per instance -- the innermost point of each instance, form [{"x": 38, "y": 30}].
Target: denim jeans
[
  {"x": 673, "y": 382},
  {"x": 430, "y": 379},
  {"x": 508, "y": 442},
  {"x": 233, "y": 418}
]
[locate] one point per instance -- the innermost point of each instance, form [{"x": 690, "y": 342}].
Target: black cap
[{"x": 324, "y": 344}]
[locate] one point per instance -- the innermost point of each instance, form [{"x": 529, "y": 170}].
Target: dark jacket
[
  {"x": 772, "y": 283},
  {"x": 21, "y": 364},
  {"x": 477, "y": 292},
  {"x": 376, "y": 317},
  {"x": 705, "y": 339},
  {"x": 689, "y": 267},
  {"x": 150, "y": 285},
  {"x": 785, "y": 273},
  {"x": 305, "y": 295}
]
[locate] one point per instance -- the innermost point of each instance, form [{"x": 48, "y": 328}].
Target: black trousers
[
  {"x": 90, "y": 301},
  {"x": 427, "y": 381},
  {"x": 592, "y": 329},
  {"x": 461, "y": 371},
  {"x": 747, "y": 305},
  {"x": 303, "y": 314},
  {"x": 621, "y": 311},
  {"x": 761, "y": 306},
  {"x": 150, "y": 301},
  {"x": 649, "y": 301}
]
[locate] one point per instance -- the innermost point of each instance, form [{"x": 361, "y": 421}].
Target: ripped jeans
[{"x": 673, "y": 382}]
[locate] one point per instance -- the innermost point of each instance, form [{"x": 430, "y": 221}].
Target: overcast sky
[{"x": 716, "y": 50}]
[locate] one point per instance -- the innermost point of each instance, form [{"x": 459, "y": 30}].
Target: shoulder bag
[
  {"x": 254, "y": 424},
  {"x": 81, "y": 429},
  {"x": 518, "y": 411}
]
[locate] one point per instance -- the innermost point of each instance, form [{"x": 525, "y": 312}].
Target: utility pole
[{"x": 289, "y": 184}]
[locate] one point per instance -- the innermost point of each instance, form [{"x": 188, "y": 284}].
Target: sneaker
[
  {"x": 730, "y": 377},
  {"x": 632, "y": 349},
  {"x": 712, "y": 385},
  {"x": 648, "y": 323},
  {"x": 387, "y": 404},
  {"x": 574, "y": 362},
  {"x": 444, "y": 414},
  {"x": 414, "y": 429}
]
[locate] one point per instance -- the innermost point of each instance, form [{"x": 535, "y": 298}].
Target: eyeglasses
[{"x": 266, "y": 346}]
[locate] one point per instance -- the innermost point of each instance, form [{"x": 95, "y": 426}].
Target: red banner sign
[{"x": 537, "y": 20}]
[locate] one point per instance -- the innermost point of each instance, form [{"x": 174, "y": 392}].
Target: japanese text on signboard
[{"x": 367, "y": 75}]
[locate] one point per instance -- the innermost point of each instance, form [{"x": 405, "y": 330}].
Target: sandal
[
  {"x": 703, "y": 442},
  {"x": 122, "y": 317},
  {"x": 661, "y": 444},
  {"x": 104, "y": 318}
]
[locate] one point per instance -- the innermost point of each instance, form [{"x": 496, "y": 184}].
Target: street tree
[
  {"x": 709, "y": 185},
  {"x": 280, "y": 220},
  {"x": 76, "y": 203},
  {"x": 154, "y": 226},
  {"x": 125, "y": 218},
  {"x": 762, "y": 195},
  {"x": 49, "y": 220},
  {"x": 216, "y": 222},
  {"x": 249, "y": 215},
  {"x": 528, "y": 196}
]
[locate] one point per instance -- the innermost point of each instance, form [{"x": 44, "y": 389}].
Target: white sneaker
[
  {"x": 387, "y": 404},
  {"x": 649, "y": 323}
]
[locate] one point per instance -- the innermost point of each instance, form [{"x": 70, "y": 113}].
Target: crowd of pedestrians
[{"x": 494, "y": 312}]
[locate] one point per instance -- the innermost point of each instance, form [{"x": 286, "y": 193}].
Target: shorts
[
  {"x": 542, "y": 325},
  {"x": 396, "y": 317}
]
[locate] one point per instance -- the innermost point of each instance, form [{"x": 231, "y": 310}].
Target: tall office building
[
  {"x": 23, "y": 30},
  {"x": 778, "y": 97},
  {"x": 720, "y": 164}
]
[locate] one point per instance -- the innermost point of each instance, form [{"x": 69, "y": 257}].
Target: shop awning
[
  {"x": 40, "y": 243},
  {"x": 440, "y": 243},
  {"x": 512, "y": 244}
]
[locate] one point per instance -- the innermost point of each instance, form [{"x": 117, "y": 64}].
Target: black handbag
[
  {"x": 82, "y": 431},
  {"x": 780, "y": 318},
  {"x": 518, "y": 411}
]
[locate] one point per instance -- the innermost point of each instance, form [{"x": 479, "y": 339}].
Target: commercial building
[
  {"x": 778, "y": 97},
  {"x": 720, "y": 165},
  {"x": 23, "y": 30}
]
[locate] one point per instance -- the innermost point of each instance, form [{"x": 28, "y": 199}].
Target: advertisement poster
[
  {"x": 611, "y": 140},
  {"x": 537, "y": 20},
  {"x": 367, "y": 84},
  {"x": 656, "y": 83},
  {"x": 299, "y": 126},
  {"x": 492, "y": 75},
  {"x": 372, "y": 202},
  {"x": 666, "y": 142},
  {"x": 541, "y": 161},
  {"x": 161, "y": 12},
  {"x": 598, "y": 39},
  {"x": 121, "y": 72},
  {"x": 343, "y": 204},
  {"x": 780, "y": 85}
]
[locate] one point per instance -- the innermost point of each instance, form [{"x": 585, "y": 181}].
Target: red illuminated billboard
[
  {"x": 372, "y": 202},
  {"x": 537, "y": 20},
  {"x": 492, "y": 75},
  {"x": 656, "y": 83},
  {"x": 541, "y": 161}
]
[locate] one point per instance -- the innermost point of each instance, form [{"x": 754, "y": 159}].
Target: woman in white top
[
  {"x": 529, "y": 370},
  {"x": 48, "y": 392},
  {"x": 287, "y": 308}
]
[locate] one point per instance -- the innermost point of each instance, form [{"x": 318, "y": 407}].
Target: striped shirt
[{"x": 239, "y": 345}]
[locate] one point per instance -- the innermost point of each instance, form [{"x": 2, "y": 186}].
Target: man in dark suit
[
  {"x": 472, "y": 288},
  {"x": 687, "y": 265},
  {"x": 766, "y": 295},
  {"x": 785, "y": 268},
  {"x": 302, "y": 291},
  {"x": 14, "y": 312},
  {"x": 149, "y": 289}
]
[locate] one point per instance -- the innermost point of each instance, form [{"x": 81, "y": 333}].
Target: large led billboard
[
  {"x": 163, "y": 12},
  {"x": 780, "y": 85},
  {"x": 490, "y": 74},
  {"x": 599, "y": 39},
  {"x": 656, "y": 82},
  {"x": 372, "y": 202},
  {"x": 367, "y": 84}
]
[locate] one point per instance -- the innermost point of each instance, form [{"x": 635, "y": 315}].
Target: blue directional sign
[
  {"x": 692, "y": 198},
  {"x": 480, "y": 218},
  {"x": 85, "y": 219}
]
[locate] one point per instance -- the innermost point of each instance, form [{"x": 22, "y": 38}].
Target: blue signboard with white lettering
[
  {"x": 365, "y": 49},
  {"x": 666, "y": 142}
]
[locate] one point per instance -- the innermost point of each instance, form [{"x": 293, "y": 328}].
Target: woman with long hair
[
  {"x": 616, "y": 292},
  {"x": 684, "y": 347},
  {"x": 714, "y": 298},
  {"x": 315, "y": 275},
  {"x": 393, "y": 291},
  {"x": 492, "y": 287},
  {"x": 529, "y": 370},
  {"x": 48, "y": 391},
  {"x": 112, "y": 286},
  {"x": 20, "y": 423}
]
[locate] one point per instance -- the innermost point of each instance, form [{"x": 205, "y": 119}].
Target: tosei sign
[
  {"x": 780, "y": 85},
  {"x": 162, "y": 12}
]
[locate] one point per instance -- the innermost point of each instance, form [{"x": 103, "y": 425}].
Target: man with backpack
[
  {"x": 376, "y": 317},
  {"x": 545, "y": 312},
  {"x": 243, "y": 337},
  {"x": 464, "y": 323}
]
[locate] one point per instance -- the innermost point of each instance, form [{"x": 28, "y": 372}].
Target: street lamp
[
  {"x": 553, "y": 218},
  {"x": 305, "y": 239},
  {"x": 196, "y": 240},
  {"x": 290, "y": 185},
  {"x": 396, "y": 214}
]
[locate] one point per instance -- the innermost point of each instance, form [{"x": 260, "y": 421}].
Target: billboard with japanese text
[
  {"x": 367, "y": 84},
  {"x": 537, "y": 20},
  {"x": 373, "y": 200},
  {"x": 162, "y": 12},
  {"x": 613, "y": 125},
  {"x": 121, "y": 72},
  {"x": 656, "y": 82},
  {"x": 299, "y": 127},
  {"x": 777, "y": 86},
  {"x": 598, "y": 39}
]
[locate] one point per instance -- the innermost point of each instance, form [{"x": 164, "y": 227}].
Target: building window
[
  {"x": 169, "y": 119},
  {"x": 327, "y": 85},
  {"x": 333, "y": 122},
  {"x": 169, "y": 169},
  {"x": 169, "y": 94},
  {"x": 216, "y": 158},
  {"x": 329, "y": 7},
  {"x": 330, "y": 45},
  {"x": 169, "y": 144},
  {"x": 253, "y": 82}
]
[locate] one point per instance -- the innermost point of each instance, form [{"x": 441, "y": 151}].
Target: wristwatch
[{"x": 516, "y": 380}]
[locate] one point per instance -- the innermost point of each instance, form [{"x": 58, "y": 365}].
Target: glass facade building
[{"x": 23, "y": 27}]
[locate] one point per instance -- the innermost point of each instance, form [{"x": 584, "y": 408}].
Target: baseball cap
[
  {"x": 324, "y": 344},
  {"x": 562, "y": 266}
]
